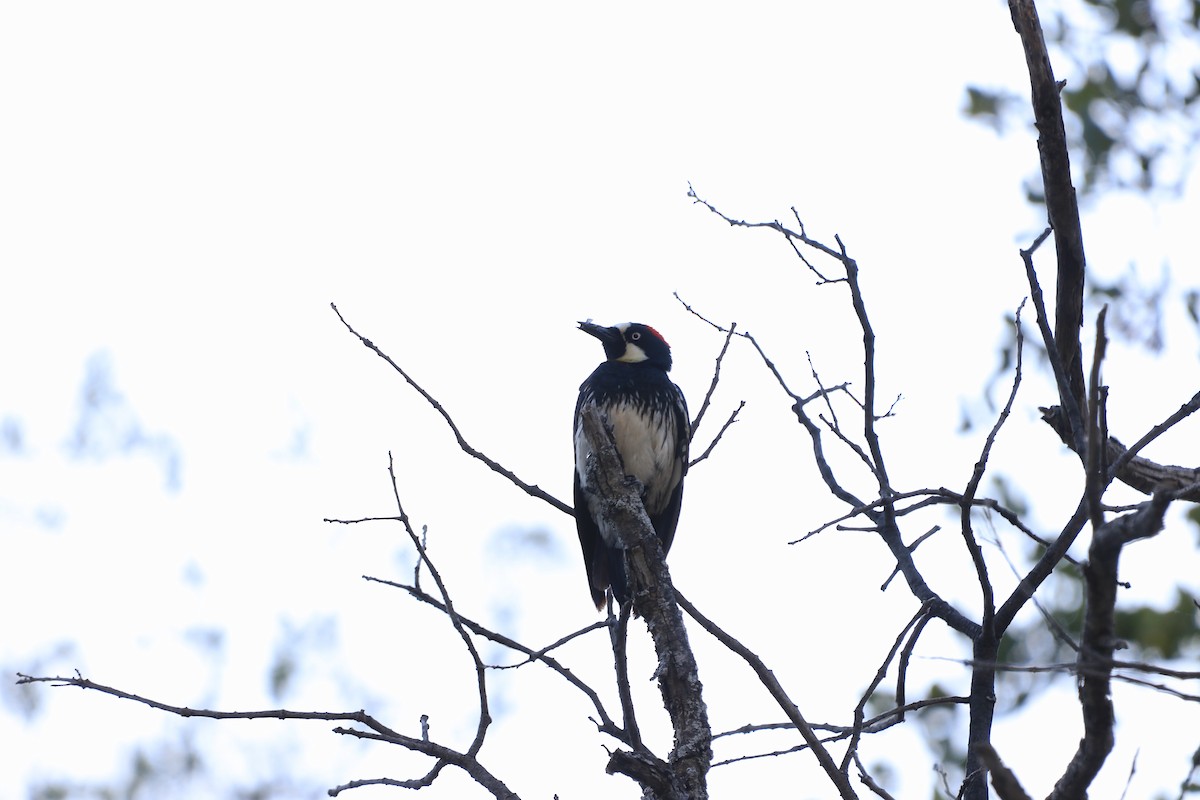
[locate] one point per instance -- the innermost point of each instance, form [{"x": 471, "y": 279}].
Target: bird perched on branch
[{"x": 649, "y": 421}]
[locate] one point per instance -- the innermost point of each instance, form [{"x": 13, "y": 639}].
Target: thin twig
[
  {"x": 618, "y": 630},
  {"x": 606, "y": 725},
  {"x": 1096, "y": 477},
  {"x": 976, "y": 552},
  {"x": 1074, "y": 417},
  {"x": 378, "y": 731},
  {"x": 712, "y": 387},
  {"x": 529, "y": 489},
  {"x": 708, "y": 450},
  {"x": 880, "y": 674},
  {"x": 485, "y": 717},
  {"x": 1003, "y": 779},
  {"x": 777, "y": 692},
  {"x": 868, "y": 781},
  {"x": 1184, "y": 411}
]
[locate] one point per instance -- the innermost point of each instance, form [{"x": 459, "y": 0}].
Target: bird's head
[{"x": 632, "y": 343}]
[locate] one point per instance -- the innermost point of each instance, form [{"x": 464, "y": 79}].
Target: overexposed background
[{"x": 185, "y": 189}]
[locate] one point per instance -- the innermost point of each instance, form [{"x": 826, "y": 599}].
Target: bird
[{"x": 649, "y": 420}]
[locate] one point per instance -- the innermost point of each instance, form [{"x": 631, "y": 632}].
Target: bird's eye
[{"x": 633, "y": 337}]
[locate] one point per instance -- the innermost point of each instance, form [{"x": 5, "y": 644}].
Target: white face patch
[{"x": 633, "y": 354}]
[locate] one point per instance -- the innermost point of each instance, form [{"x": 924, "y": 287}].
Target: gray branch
[
  {"x": 1100, "y": 641},
  {"x": 621, "y": 517}
]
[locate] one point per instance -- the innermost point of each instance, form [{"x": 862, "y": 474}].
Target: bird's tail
[{"x": 616, "y": 574}]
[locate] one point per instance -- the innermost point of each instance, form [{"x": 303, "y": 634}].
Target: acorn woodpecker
[{"x": 650, "y": 426}]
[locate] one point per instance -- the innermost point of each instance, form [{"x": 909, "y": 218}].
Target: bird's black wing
[
  {"x": 595, "y": 556},
  {"x": 667, "y": 520}
]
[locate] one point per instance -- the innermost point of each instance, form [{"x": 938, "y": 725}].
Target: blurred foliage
[
  {"x": 12, "y": 437},
  {"x": 24, "y": 699},
  {"x": 1135, "y": 311},
  {"x": 156, "y": 772},
  {"x": 940, "y": 726},
  {"x": 1043, "y": 650},
  {"x": 1132, "y": 110},
  {"x": 108, "y": 427},
  {"x": 1150, "y": 633},
  {"x": 1131, "y": 106},
  {"x": 1170, "y": 633},
  {"x": 298, "y": 646},
  {"x": 1193, "y": 515},
  {"x": 169, "y": 769},
  {"x": 1132, "y": 93}
]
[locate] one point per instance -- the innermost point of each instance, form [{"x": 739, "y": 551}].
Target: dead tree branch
[
  {"x": 621, "y": 516},
  {"x": 916, "y": 625},
  {"x": 1136, "y": 472},
  {"x": 716, "y": 439},
  {"x": 1003, "y": 779},
  {"x": 768, "y": 679},
  {"x": 605, "y": 723},
  {"x": 1099, "y": 641},
  {"x": 712, "y": 387},
  {"x": 529, "y": 489},
  {"x": 485, "y": 717},
  {"x": 981, "y": 572},
  {"x": 1061, "y": 203},
  {"x": 375, "y": 730}
]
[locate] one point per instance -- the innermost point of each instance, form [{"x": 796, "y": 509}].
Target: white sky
[{"x": 186, "y": 189}]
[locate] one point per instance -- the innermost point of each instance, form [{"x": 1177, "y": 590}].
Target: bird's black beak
[{"x": 609, "y": 336}]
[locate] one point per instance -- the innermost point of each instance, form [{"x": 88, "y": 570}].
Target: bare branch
[
  {"x": 485, "y": 717},
  {"x": 606, "y": 725},
  {"x": 869, "y": 388},
  {"x": 529, "y": 489},
  {"x": 775, "y": 225},
  {"x": 619, "y": 633},
  {"x": 868, "y": 781},
  {"x": 621, "y": 517},
  {"x": 1045, "y": 565},
  {"x": 940, "y": 496},
  {"x": 1139, "y": 473},
  {"x": 768, "y": 679},
  {"x": 377, "y": 730},
  {"x": 912, "y": 548},
  {"x": 812, "y": 428},
  {"x": 649, "y": 771},
  {"x": 1074, "y": 414},
  {"x": 1095, "y": 481},
  {"x": 834, "y": 427},
  {"x": 918, "y": 621},
  {"x": 1183, "y": 475},
  {"x": 885, "y": 519},
  {"x": 1186, "y": 785},
  {"x": 1003, "y": 779},
  {"x": 876, "y": 724},
  {"x": 1061, "y": 204},
  {"x": 468, "y": 763},
  {"x": 1099, "y": 642},
  {"x": 981, "y": 572},
  {"x": 712, "y": 387},
  {"x": 712, "y": 445},
  {"x": 700, "y": 316}
]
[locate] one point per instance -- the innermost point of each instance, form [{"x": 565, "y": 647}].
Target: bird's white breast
[{"x": 646, "y": 442}]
